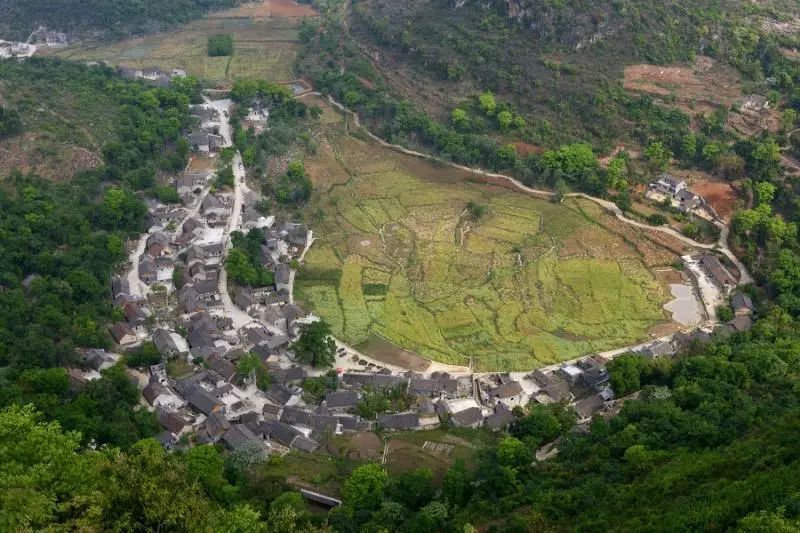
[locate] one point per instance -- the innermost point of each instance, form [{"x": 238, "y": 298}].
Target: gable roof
[
  {"x": 507, "y": 390},
  {"x": 224, "y": 368},
  {"x": 399, "y": 421},
  {"x": 468, "y": 417},
  {"x": 279, "y": 393},
  {"x": 341, "y": 399},
  {"x": 742, "y": 301},
  {"x": 589, "y": 406},
  {"x": 203, "y": 402},
  {"x": 500, "y": 419}
]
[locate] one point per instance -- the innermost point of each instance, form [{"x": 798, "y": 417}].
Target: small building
[
  {"x": 399, "y": 421},
  {"x": 279, "y": 394},
  {"x": 203, "y": 402},
  {"x": 717, "y": 271},
  {"x": 667, "y": 184},
  {"x": 282, "y": 276},
  {"x": 742, "y": 304},
  {"x": 148, "y": 270},
  {"x": 500, "y": 419},
  {"x": 587, "y": 407},
  {"x": 687, "y": 200},
  {"x": 122, "y": 334},
  {"x": 341, "y": 400},
  {"x": 509, "y": 394},
  {"x": 740, "y": 324},
  {"x": 658, "y": 349},
  {"x": 468, "y": 418},
  {"x": 571, "y": 373}
]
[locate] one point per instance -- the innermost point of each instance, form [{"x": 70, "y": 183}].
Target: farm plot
[
  {"x": 265, "y": 46},
  {"x": 529, "y": 283}
]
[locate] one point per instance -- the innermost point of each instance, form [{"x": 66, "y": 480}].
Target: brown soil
[
  {"x": 383, "y": 350},
  {"x": 201, "y": 163},
  {"x": 60, "y": 162},
  {"x": 669, "y": 276},
  {"x": 665, "y": 328},
  {"x": 698, "y": 89},
  {"x": 362, "y": 446},
  {"x": 525, "y": 149},
  {"x": 270, "y": 8},
  {"x": 719, "y": 194}
]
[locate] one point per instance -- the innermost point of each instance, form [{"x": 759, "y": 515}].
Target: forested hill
[
  {"x": 555, "y": 62},
  {"x": 102, "y": 18}
]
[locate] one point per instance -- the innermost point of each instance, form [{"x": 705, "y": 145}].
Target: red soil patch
[
  {"x": 721, "y": 195},
  {"x": 525, "y": 149},
  {"x": 274, "y": 8},
  {"x": 202, "y": 163}
]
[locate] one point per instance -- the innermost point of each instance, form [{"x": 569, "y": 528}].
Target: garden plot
[{"x": 399, "y": 257}]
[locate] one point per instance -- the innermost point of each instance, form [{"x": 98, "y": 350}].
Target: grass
[
  {"x": 264, "y": 48},
  {"x": 529, "y": 284}
]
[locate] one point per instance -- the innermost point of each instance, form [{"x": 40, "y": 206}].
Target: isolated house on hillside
[
  {"x": 742, "y": 304},
  {"x": 717, "y": 271},
  {"x": 667, "y": 184}
]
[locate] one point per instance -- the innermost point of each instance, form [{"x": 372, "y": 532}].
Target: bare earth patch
[
  {"x": 700, "y": 88},
  {"x": 721, "y": 195},
  {"x": 269, "y": 8}
]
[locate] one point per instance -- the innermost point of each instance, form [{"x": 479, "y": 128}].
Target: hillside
[
  {"x": 66, "y": 117},
  {"x": 99, "y": 18},
  {"x": 560, "y": 65}
]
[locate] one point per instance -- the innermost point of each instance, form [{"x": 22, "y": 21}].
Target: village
[{"x": 175, "y": 295}]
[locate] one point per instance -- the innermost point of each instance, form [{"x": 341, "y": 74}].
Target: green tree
[
  {"x": 460, "y": 119},
  {"x": 626, "y": 372},
  {"x": 220, "y": 45},
  {"x": 487, "y": 103},
  {"x": 658, "y": 156},
  {"x": 315, "y": 346},
  {"x": 364, "y": 489},
  {"x": 505, "y": 119}
]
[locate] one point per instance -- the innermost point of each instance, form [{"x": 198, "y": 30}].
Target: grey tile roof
[
  {"x": 399, "y": 421},
  {"x": 341, "y": 399}
]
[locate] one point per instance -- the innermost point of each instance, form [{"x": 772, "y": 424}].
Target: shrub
[{"x": 220, "y": 45}]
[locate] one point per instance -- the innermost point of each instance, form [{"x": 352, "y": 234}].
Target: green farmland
[{"x": 399, "y": 255}]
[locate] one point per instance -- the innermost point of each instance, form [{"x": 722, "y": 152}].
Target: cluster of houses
[
  {"x": 49, "y": 38},
  {"x": 16, "y": 50},
  {"x": 205, "y": 137},
  {"x": 220, "y": 396},
  {"x": 152, "y": 75},
  {"x": 676, "y": 191}
]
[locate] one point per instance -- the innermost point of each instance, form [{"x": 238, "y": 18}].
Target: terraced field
[{"x": 529, "y": 283}]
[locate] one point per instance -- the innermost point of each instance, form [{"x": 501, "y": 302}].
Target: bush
[
  {"x": 220, "y": 45},
  {"x": 657, "y": 219}
]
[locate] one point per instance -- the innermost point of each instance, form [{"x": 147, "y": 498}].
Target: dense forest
[
  {"x": 103, "y": 18},
  {"x": 61, "y": 240}
]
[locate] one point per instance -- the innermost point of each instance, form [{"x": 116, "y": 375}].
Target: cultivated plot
[
  {"x": 265, "y": 45},
  {"x": 400, "y": 256}
]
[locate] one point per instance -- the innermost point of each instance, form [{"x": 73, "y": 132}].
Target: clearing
[
  {"x": 399, "y": 262},
  {"x": 701, "y": 88},
  {"x": 265, "y": 44}
]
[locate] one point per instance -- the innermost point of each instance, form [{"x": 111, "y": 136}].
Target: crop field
[
  {"x": 399, "y": 256},
  {"x": 265, "y": 45}
]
